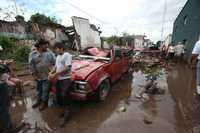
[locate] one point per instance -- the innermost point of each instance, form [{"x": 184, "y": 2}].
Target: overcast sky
[{"x": 113, "y": 16}]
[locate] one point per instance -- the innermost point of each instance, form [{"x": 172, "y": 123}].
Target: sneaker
[
  {"x": 65, "y": 119},
  {"x": 43, "y": 106},
  {"x": 36, "y": 104}
]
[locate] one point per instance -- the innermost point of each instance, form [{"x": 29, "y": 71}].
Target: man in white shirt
[
  {"x": 61, "y": 73},
  {"x": 170, "y": 52},
  {"x": 195, "y": 59}
]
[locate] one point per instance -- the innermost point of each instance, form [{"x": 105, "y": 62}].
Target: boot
[
  {"x": 36, "y": 104},
  {"x": 65, "y": 119},
  {"x": 43, "y": 106}
]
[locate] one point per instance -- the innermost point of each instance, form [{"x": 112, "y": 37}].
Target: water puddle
[{"x": 31, "y": 119}]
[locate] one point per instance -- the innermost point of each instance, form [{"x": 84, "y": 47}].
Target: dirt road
[{"x": 175, "y": 111}]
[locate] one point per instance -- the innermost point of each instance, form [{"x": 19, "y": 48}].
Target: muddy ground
[{"x": 175, "y": 111}]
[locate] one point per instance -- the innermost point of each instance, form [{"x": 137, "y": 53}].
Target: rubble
[{"x": 148, "y": 120}]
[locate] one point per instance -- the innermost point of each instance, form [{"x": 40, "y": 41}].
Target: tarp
[{"x": 97, "y": 52}]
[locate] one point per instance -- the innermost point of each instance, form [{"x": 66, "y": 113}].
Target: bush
[
  {"x": 8, "y": 46},
  {"x": 22, "y": 54},
  {"x": 43, "y": 19}
]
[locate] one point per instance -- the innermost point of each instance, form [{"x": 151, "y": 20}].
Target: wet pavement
[{"x": 175, "y": 111}]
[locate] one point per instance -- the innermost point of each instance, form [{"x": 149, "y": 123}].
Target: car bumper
[{"x": 79, "y": 96}]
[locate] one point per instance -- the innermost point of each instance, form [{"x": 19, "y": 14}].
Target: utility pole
[{"x": 163, "y": 20}]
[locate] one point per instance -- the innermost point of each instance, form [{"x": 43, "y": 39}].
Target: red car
[{"x": 95, "y": 70}]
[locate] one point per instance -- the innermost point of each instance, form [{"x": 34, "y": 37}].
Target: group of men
[
  {"x": 170, "y": 51},
  {"x": 48, "y": 70}
]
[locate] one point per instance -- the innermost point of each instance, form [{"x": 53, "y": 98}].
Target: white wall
[
  {"x": 89, "y": 37},
  {"x": 139, "y": 43},
  {"x": 168, "y": 40}
]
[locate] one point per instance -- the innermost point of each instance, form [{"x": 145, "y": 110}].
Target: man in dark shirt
[{"x": 5, "y": 119}]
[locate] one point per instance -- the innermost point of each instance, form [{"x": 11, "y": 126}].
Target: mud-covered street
[{"x": 174, "y": 111}]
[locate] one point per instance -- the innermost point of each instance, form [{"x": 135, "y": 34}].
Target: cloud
[{"x": 113, "y": 16}]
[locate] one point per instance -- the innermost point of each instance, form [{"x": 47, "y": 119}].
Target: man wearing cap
[{"x": 41, "y": 61}]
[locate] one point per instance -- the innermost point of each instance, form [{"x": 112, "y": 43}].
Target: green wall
[{"x": 191, "y": 30}]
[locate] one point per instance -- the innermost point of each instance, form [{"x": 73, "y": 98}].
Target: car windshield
[{"x": 94, "y": 58}]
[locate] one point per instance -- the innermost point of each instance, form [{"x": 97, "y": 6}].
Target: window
[
  {"x": 118, "y": 55},
  {"x": 185, "y": 21}
]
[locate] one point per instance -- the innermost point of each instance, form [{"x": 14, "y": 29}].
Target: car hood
[{"x": 81, "y": 69}]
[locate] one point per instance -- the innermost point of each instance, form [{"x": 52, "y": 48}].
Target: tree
[
  {"x": 8, "y": 46},
  {"x": 12, "y": 10},
  {"x": 43, "y": 19},
  {"x": 19, "y": 18},
  {"x": 113, "y": 40}
]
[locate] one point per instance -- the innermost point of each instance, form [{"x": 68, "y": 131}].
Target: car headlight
[{"x": 82, "y": 86}]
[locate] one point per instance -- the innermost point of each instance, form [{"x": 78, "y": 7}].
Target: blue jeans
[
  {"x": 63, "y": 92},
  {"x": 4, "y": 107},
  {"x": 198, "y": 73},
  {"x": 43, "y": 90}
]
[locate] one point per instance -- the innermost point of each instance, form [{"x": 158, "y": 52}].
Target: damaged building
[{"x": 79, "y": 36}]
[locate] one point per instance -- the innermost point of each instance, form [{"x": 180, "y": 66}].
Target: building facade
[{"x": 187, "y": 25}]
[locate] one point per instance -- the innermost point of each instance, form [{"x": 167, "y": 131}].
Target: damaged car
[{"x": 95, "y": 70}]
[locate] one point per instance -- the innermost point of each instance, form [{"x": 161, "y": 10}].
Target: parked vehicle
[{"x": 94, "y": 71}]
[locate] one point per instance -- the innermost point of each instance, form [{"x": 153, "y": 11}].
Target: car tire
[{"x": 103, "y": 91}]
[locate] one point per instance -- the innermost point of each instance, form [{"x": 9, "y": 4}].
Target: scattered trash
[
  {"x": 147, "y": 120},
  {"x": 13, "y": 105},
  {"x": 20, "y": 102},
  {"x": 48, "y": 128},
  {"x": 30, "y": 83},
  {"x": 121, "y": 109},
  {"x": 196, "y": 129},
  {"x": 145, "y": 97}
]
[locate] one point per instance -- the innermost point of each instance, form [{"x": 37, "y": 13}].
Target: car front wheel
[{"x": 103, "y": 91}]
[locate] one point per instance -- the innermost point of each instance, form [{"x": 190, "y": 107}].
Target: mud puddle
[
  {"x": 143, "y": 112},
  {"x": 123, "y": 112}
]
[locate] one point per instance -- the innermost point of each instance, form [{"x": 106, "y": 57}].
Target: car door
[{"x": 117, "y": 65}]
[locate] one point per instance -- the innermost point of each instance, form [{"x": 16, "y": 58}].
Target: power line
[{"x": 83, "y": 11}]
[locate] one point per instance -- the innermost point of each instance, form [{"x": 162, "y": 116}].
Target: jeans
[
  {"x": 198, "y": 73},
  {"x": 4, "y": 107},
  {"x": 63, "y": 92},
  {"x": 43, "y": 90}
]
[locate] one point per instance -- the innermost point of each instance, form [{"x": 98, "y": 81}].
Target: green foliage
[
  {"x": 113, "y": 40},
  {"x": 22, "y": 54},
  {"x": 152, "y": 73},
  {"x": 10, "y": 50},
  {"x": 43, "y": 19},
  {"x": 19, "y": 18},
  {"x": 8, "y": 46}
]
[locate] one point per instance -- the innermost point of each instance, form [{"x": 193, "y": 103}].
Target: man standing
[
  {"x": 195, "y": 59},
  {"x": 41, "y": 63},
  {"x": 5, "y": 119},
  {"x": 170, "y": 52},
  {"x": 61, "y": 73}
]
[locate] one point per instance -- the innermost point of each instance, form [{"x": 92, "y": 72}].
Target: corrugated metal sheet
[{"x": 89, "y": 37}]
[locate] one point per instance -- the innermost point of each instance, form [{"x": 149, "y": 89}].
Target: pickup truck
[{"x": 95, "y": 70}]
